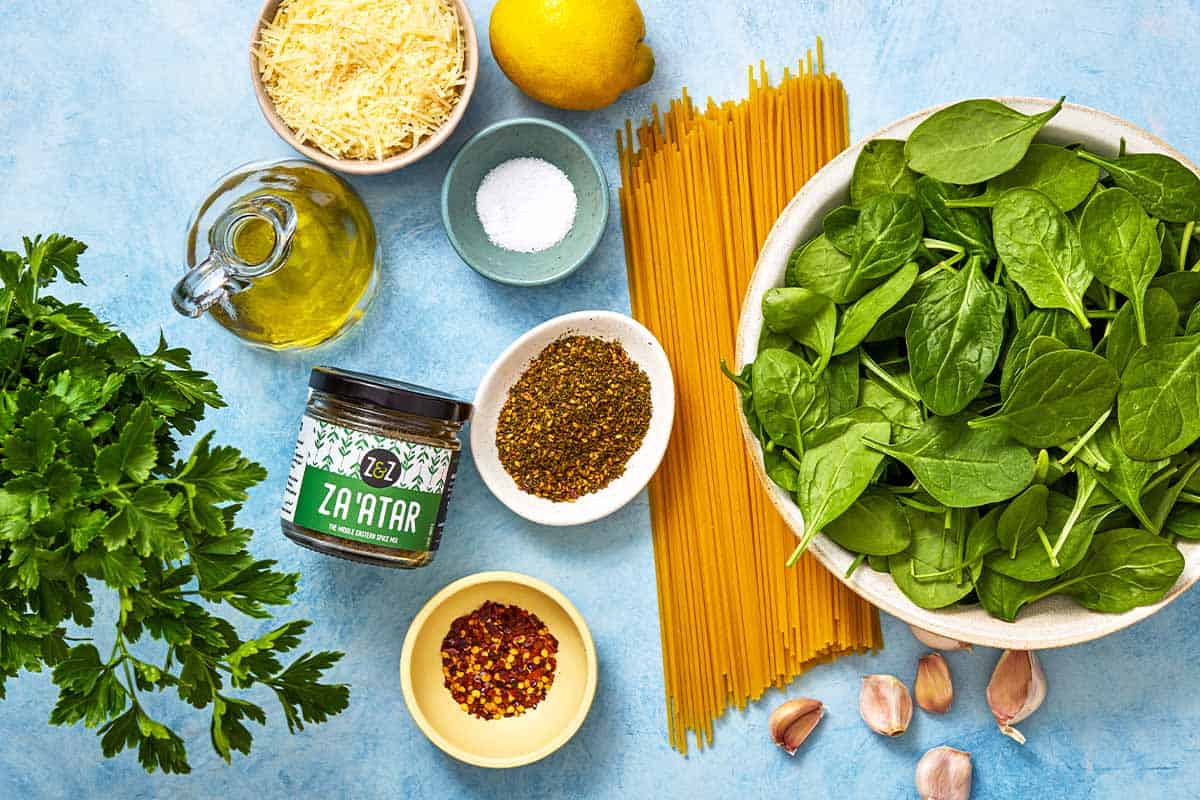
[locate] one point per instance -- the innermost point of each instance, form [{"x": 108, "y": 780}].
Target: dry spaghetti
[{"x": 700, "y": 190}]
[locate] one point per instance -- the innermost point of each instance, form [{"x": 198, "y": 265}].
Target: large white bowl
[{"x": 1055, "y": 621}]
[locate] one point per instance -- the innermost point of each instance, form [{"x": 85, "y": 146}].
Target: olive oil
[{"x": 293, "y": 257}]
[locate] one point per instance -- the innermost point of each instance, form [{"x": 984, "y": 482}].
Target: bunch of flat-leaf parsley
[{"x": 92, "y": 486}]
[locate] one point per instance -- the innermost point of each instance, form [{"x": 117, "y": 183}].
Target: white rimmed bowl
[
  {"x": 643, "y": 348},
  {"x": 513, "y": 741},
  {"x": 1055, "y": 621}
]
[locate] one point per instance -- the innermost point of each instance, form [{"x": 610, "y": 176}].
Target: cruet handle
[{"x": 223, "y": 273}]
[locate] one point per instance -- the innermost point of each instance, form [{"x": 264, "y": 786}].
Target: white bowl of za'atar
[
  {"x": 573, "y": 418},
  {"x": 967, "y": 352}
]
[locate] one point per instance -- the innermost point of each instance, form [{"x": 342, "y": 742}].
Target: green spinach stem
[
  {"x": 1188, "y": 230},
  {"x": 886, "y": 377},
  {"x": 1041, "y": 532},
  {"x": 1087, "y": 437}
]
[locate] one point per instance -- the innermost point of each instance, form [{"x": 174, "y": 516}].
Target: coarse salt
[{"x": 526, "y": 205}]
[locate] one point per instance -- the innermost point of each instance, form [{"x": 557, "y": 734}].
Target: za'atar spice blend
[
  {"x": 574, "y": 418},
  {"x": 498, "y": 661}
]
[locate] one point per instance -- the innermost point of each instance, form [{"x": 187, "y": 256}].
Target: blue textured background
[{"x": 116, "y": 116}]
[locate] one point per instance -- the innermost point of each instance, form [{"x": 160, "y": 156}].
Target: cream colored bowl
[
  {"x": 366, "y": 166},
  {"x": 514, "y": 741},
  {"x": 1055, "y": 621}
]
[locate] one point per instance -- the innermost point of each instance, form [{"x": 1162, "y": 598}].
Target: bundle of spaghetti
[{"x": 700, "y": 190}]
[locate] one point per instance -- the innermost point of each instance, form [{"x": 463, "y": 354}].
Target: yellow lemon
[{"x": 575, "y": 54}]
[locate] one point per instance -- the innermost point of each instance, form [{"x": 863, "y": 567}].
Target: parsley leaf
[{"x": 93, "y": 494}]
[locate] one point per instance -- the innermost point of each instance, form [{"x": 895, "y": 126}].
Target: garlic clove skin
[
  {"x": 793, "y": 721},
  {"x": 933, "y": 688},
  {"x": 885, "y": 704},
  {"x": 944, "y": 773},
  {"x": 1016, "y": 690},
  {"x": 936, "y": 641}
]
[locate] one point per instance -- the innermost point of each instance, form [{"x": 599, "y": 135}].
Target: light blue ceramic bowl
[{"x": 516, "y": 138}]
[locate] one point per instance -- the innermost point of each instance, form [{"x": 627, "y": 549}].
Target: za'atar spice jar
[{"x": 374, "y": 466}]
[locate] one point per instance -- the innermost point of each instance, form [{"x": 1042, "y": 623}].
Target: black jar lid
[{"x": 394, "y": 395}]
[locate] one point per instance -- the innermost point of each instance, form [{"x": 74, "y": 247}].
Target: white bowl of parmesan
[{"x": 364, "y": 86}]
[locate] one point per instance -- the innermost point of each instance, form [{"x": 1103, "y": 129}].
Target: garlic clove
[
  {"x": 933, "y": 687},
  {"x": 793, "y": 721},
  {"x": 944, "y": 773},
  {"x": 936, "y": 641},
  {"x": 1016, "y": 690},
  {"x": 885, "y": 704}
]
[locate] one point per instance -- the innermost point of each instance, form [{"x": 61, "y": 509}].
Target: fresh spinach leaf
[
  {"x": 808, "y": 317},
  {"x": 954, "y": 338},
  {"x": 1040, "y": 346},
  {"x": 961, "y": 467},
  {"x": 1032, "y": 562},
  {"x": 928, "y": 572},
  {"x": 836, "y": 468},
  {"x": 878, "y": 563},
  {"x": 819, "y": 267},
  {"x": 900, "y": 410},
  {"x": 983, "y": 540},
  {"x": 1123, "y": 477},
  {"x": 1041, "y": 251},
  {"x": 965, "y": 227},
  {"x": 1158, "y": 407},
  {"x": 1058, "y": 396},
  {"x": 973, "y": 141},
  {"x": 788, "y": 400},
  {"x": 774, "y": 340},
  {"x": 886, "y": 236},
  {"x": 880, "y": 169},
  {"x": 1125, "y": 569},
  {"x": 779, "y": 469},
  {"x": 1054, "y": 323},
  {"x": 862, "y": 316},
  {"x": 893, "y": 324},
  {"x": 1120, "y": 243},
  {"x": 1054, "y": 171},
  {"x": 875, "y": 525},
  {"x": 1164, "y": 498},
  {"x": 841, "y": 379},
  {"x": 1184, "y": 288},
  {"x": 1004, "y": 597},
  {"x": 1184, "y": 522},
  {"x": 1021, "y": 518},
  {"x": 1193, "y": 322},
  {"x": 1162, "y": 321},
  {"x": 838, "y": 227},
  {"x": 1165, "y": 188}
]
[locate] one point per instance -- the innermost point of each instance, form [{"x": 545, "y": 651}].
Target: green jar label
[{"x": 365, "y": 487}]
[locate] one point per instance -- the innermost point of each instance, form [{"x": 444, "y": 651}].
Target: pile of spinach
[
  {"x": 96, "y": 496},
  {"x": 983, "y": 376}
]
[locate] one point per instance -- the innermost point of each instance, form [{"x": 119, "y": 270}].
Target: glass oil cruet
[{"x": 291, "y": 259}]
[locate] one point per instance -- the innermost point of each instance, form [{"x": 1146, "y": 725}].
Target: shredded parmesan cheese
[{"x": 363, "y": 79}]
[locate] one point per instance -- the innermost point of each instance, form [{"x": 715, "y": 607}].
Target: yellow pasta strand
[{"x": 700, "y": 190}]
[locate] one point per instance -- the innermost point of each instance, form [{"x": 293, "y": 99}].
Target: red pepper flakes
[{"x": 498, "y": 661}]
